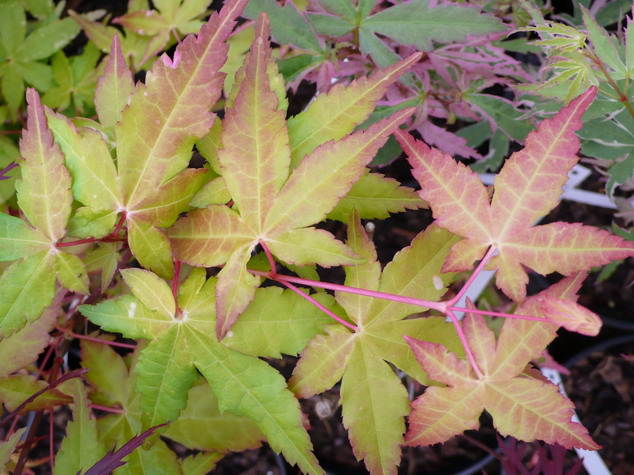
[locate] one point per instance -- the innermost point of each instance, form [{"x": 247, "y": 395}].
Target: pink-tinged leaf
[
  {"x": 568, "y": 248},
  {"x": 306, "y": 246},
  {"x": 234, "y": 291},
  {"x": 530, "y": 183},
  {"x": 151, "y": 248},
  {"x": 374, "y": 405},
  {"x": 322, "y": 363},
  {"x": 445, "y": 140},
  {"x": 461, "y": 204},
  {"x": 327, "y": 174},
  {"x": 335, "y": 114},
  {"x": 171, "y": 199},
  {"x": 570, "y": 315},
  {"x": 255, "y": 157},
  {"x": 442, "y": 413},
  {"x": 482, "y": 340},
  {"x": 529, "y": 409},
  {"x": 114, "y": 87},
  {"x": 363, "y": 276},
  {"x": 458, "y": 198},
  {"x": 44, "y": 191},
  {"x": 207, "y": 237},
  {"x": 167, "y": 114},
  {"x": 440, "y": 364}
]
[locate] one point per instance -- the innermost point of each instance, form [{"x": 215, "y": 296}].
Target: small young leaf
[
  {"x": 151, "y": 247},
  {"x": 71, "y": 273},
  {"x": 114, "y": 87},
  {"x": 8, "y": 447},
  {"x": 153, "y": 292}
]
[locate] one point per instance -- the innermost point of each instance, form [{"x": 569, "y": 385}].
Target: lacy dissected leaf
[
  {"x": 44, "y": 190},
  {"x": 288, "y": 25},
  {"x": 359, "y": 358},
  {"x": 243, "y": 385},
  {"x": 81, "y": 447},
  {"x": 527, "y": 187},
  {"x": 522, "y": 406},
  {"x": 415, "y": 23},
  {"x": 168, "y": 113},
  {"x": 273, "y": 205},
  {"x": 335, "y": 114}
]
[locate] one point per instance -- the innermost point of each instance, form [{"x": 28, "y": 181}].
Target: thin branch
[
  {"x": 318, "y": 305},
  {"x": 269, "y": 256},
  {"x": 465, "y": 344},
  {"x": 440, "y": 306},
  {"x": 99, "y": 340},
  {"x": 473, "y": 276}
]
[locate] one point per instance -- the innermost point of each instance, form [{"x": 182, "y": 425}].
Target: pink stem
[
  {"x": 99, "y": 340},
  {"x": 51, "y": 437},
  {"x": 473, "y": 276},
  {"x": 113, "y": 410},
  {"x": 465, "y": 344},
  {"x": 497, "y": 314},
  {"x": 269, "y": 256},
  {"x": 441, "y": 306},
  {"x": 175, "y": 282},
  {"x": 318, "y": 305}
]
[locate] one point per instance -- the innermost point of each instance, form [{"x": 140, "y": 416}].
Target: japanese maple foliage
[{"x": 114, "y": 227}]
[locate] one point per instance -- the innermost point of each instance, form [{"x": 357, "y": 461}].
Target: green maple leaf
[
  {"x": 43, "y": 192},
  {"x": 166, "y": 370},
  {"x": 522, "y": 405},
  {"x": 21, "y": 54},
  {"x": 74, "y": 80},
  {"x": 150, "y": 183},
  {"x": 113, "y": 382},
  {"x": 360, "y": 358},
  {"x": 171, "y": 18},
  {"x": 283, "y": 178}
]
